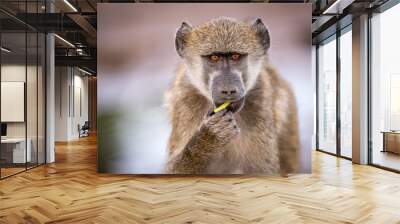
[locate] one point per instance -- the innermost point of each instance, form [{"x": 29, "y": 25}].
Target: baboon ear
[
  {"x": 262, "y": 33},
  {"x": 180, "y": 39}
]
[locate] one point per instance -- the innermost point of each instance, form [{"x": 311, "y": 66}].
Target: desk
[
  {"x": 391, "y": 141},
  {"x": 15, "y": 148}
]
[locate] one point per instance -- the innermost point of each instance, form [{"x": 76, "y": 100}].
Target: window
[
  {"x": 327, "y": 96},
  {"x": 346, "y": 93},
  {"x": 385, "y": 89},
  {"x": 334, "y": 106}
]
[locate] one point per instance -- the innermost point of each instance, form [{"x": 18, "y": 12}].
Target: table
[{"x": 15, "y": 148}]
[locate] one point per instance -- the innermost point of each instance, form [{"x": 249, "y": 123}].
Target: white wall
[
  {"x": 33, "y": 127},
  {"x": 80, "y": 110},
  {"x": 62, "y": 81},
  {"x": 71, "y": 93},
  {"x": 16, "y": 73}
]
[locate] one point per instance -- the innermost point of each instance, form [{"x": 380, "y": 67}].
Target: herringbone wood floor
[{"x": 71, "y": 191}]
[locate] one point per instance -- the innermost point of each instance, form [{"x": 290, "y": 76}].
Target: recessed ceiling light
[
  {"x": 70, "y": 5},
  {"x": 65, "y": 41},
  {"x": 84, "y": 71},
  {"x": 337, "y": 7},
  {"x": 5, "y": 50}
]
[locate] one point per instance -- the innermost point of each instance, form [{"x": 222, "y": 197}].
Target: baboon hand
[{"x": 222, "y": 126}]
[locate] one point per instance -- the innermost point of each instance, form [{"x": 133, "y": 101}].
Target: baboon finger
[
  {"x": 220, "y": 113},
  {"x": 228, "y": 116},
  {"x": 217, "y": 116},
  {"x": 230, "y": 120}
]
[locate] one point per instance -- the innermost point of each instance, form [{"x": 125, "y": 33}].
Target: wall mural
[{"x": 204, "y": 88}]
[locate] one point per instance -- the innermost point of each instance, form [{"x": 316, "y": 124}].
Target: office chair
[{"x": 84, "y": 130}]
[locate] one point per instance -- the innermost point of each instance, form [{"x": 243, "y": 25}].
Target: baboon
[{"x": 226, "y": 60}]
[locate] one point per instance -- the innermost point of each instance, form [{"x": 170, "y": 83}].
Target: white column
[
  {"x": 50, "y": 92},
  {"x": 360, "y": 90},
  {"x": 50, "y": 99}
]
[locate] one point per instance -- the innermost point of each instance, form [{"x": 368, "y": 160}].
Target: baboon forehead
[{"x": 224, "y": 35}]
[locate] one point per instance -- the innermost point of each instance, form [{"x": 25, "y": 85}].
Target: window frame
[{"x": 334, "y": 37}]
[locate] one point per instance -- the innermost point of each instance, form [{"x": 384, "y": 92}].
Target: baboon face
[{"x": 223, "y": 57}]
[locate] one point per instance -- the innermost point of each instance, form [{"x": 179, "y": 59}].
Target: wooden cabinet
[{"x": 391, "y": 142}]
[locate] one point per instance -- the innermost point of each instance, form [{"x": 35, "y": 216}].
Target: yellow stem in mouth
[{"x": 222, "y": 106}]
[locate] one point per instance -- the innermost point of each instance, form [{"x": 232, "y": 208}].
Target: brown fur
[
  {"x": 260, "y": 138},
  {"x": 224, "y": 35},
  {"x": 268, "y": 138}
]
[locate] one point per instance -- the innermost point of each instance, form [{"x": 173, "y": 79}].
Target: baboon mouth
[{"x": 234, "y": 106}]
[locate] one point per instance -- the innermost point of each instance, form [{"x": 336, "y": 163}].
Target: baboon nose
[
  {"x": 229, "y": 92},
  {"x": 225, "y": 92},
  {"x": 227, "y": 87}
]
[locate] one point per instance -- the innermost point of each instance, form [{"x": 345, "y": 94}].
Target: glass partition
[
  {"x": 31, "y": 99},
  {"x": 13, "y": 113},
  {"x": 22, "y": 101}
]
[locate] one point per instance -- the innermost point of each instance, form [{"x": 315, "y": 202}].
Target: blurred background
[{"x": 136, "y": 64}]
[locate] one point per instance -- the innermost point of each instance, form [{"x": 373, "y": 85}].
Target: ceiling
[{"x": 75, "y": 22}]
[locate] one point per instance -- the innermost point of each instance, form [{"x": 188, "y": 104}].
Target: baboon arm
[
  {"x": 289, "y": 144},
  {"x": 289, "y": 141},
  {"x": 194, "y": 157}
]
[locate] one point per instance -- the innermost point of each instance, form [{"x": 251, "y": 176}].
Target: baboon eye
[
  {"x": 235, "y": 57},
  {"x": 214, "y": 58}
]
